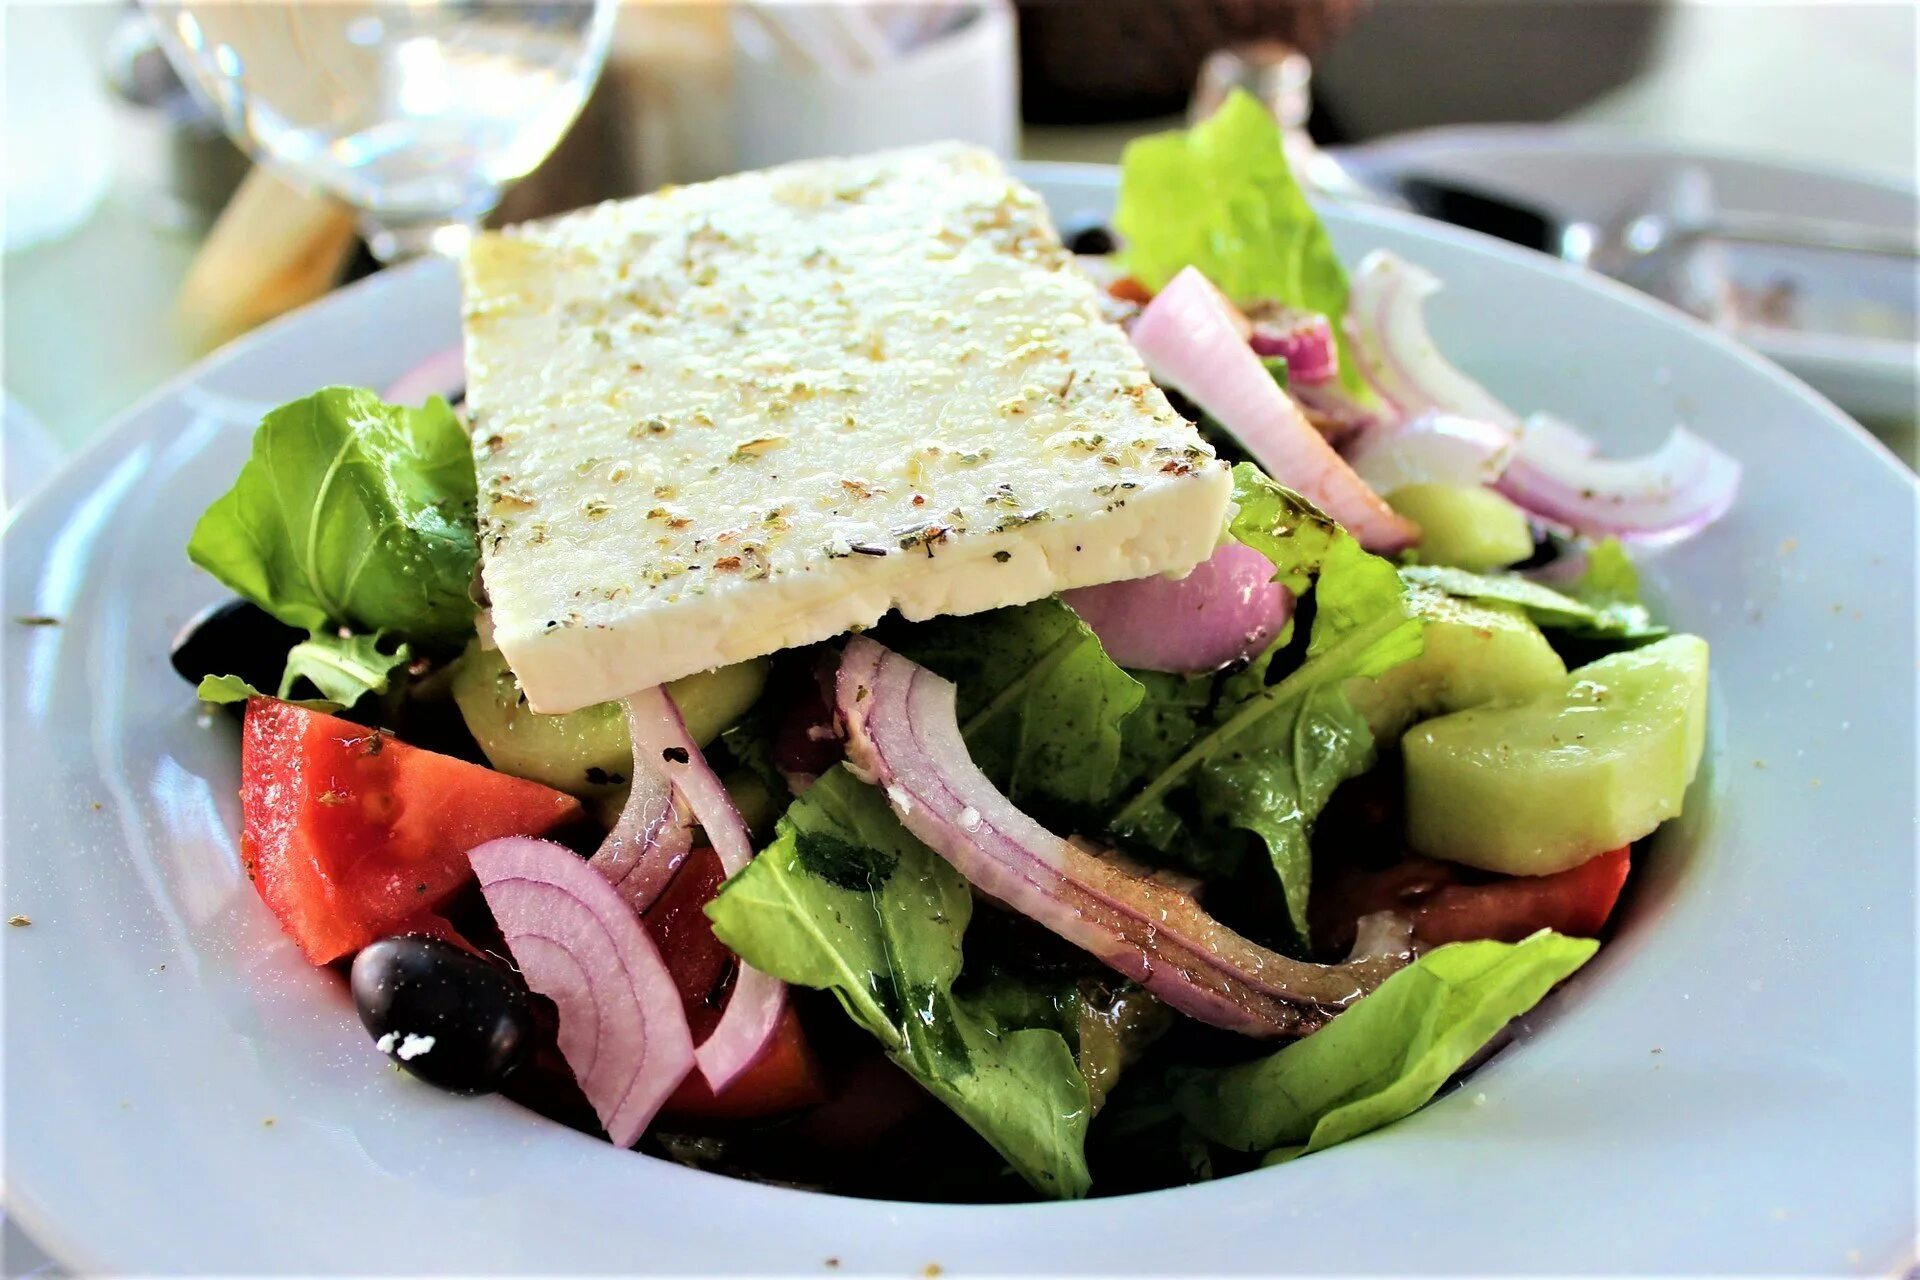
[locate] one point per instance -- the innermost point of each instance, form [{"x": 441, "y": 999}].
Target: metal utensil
[{"x": 1674, "y": 216}]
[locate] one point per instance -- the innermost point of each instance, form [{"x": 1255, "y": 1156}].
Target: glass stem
[{"x": 395, "y": 241}]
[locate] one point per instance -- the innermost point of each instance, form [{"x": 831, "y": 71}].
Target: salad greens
[
  {"x": 341, "y": 667},
  {"x": 1041, "y": 704},
  {"x": 1266, "y": 754},
  {"x": 1221, "y": 197},
  {"x": 354, "y": 520},
  {"x": 1383, "y": 1058},
  {"x": 846, "y": 900},
  {"x": 351, "y": 514},
  {"x": 1604, "y": 603}
]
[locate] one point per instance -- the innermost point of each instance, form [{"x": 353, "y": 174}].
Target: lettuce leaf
[
  {"x": 1266, "y": 754},
  {"x": 221, "y": 690},
  {"x": 1221, "y": 197},
  {"x": 1384, "y": 1057},
  {"x": 1611, "y": 585},
  {"x": 1040, "y": 702},
  {"x": 342, "y": 668},
  {"x": 1610, "y": 609},
  {"x": 351, "y": 513},
  {"x": 846, "y": 900}
]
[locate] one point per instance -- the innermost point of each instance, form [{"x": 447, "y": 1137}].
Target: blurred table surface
[{"x": 86, "y": 317}]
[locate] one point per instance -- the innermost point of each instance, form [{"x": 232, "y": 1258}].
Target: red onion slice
[
  {"x": 1302, "y": 338},
  {"x": 623, "y": 1030},
  {"x": 1391, "y": 343},
  {"x": 1189, "y": 337},
  {"x": 444, "y": 373},
  {"x": 903, "y": 734},
  {"x": 1432, "y": 448},
  {"x": 1334, "y": 413},
  {"x": 1662, "y": 497},
  {"x": 654, "y": 833},
  {"x": 752, "y": 1016},
  {"x": 1228, "y": 608}
]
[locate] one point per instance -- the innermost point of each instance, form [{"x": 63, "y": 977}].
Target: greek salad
[{"x": 1125, "y": 885}]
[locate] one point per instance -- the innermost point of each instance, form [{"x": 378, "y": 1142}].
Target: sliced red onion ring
[
  {"x": 1189, "y": 338},
  {"x": 623, "y": 1030},
  {"x": 1228, "y": 608},
  {"x": 1432, "y": 448},
  {"x": 1334, "y": 413},
  {"x": 654, "y": 833},
  {"x": 444, "y": 373},
  {"x": 752, "y": 1016},
  {"x": 903, "y": 733},
  {"x": 1560, "y": 435},
  {"x": 1396, "y": 354},
  {"x": 1662, "y": 497},
  {"x": 1301, "y": 338}
]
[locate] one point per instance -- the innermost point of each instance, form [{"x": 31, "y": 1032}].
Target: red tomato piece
[
  {"x": 786, "y": 1077},
  {"x": 1445, "y": 906},
  {"x": 350, "y": 835}
]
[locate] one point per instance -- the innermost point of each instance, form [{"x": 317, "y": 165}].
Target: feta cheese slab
[{"x": 727, "y": 419}]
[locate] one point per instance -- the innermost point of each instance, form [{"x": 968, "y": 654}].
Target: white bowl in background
[{"x": 1590, "y": 174}]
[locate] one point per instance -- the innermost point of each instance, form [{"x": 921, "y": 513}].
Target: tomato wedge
[
  {"x": 1448, "y": 903},
  {"x": 786, "y": 1077},
  {"x": 350, "y": 835}
]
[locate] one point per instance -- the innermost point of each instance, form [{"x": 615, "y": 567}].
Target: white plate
[
  {"x": 1590, "y": 174},
  {"x": 1728, "y": 1088}
]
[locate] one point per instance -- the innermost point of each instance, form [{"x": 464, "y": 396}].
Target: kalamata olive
[
  {"x": 235, "y": 638},
  {"x": 1094, "y": 239},
  {"x": 445, "y": 1015}
]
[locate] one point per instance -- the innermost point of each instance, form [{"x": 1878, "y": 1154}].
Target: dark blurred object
[
  {"x": 1481, "y": 211},
  {"x": 1413, "y": 64},
  {"x": 1091, "y": 61}
]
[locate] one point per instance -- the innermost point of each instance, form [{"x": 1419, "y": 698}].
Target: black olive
[
  {"x": 1095, "y": 240},
  {"x": 235, "y": 639},
  {"x": 444, "y": 1014}
]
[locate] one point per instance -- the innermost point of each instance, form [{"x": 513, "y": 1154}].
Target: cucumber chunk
[
  {"x": 585, "y": 752},
  {"x": 1542, "y": 786},
  {"x": 1475, "y": 652},
  {"x": 1467, "y": 527}
]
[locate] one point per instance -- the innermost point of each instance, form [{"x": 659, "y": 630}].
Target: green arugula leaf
[
  {"x": 354, "y": 513},
  {"x": 342, "y": 668},
  {"x": 1221, "y": 197},
  {"x": 1040, "y": 702},
  {"x": 1384, "y": 1057},
  {"x": 1612, "y": 585},
  {"x": 847, "y": 901},
  {"x": 1281, "y": 525},
  {"x": 220, "y": 690},
  {"x": 1277, "y": 777},
  {"x": 1606, "y": 613},
  {"x": 1267, "y": 755}
]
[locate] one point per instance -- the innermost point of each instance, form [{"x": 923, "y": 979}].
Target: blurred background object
[
  {"x": 1095, "y": 63},
  {"x": 59, "y": 125},
  {"x": 418, "y": 115},
  {"x": 812, "y": 80},
  {"x": 133, "y": 241},
  {"x": 173, "y": 156}
]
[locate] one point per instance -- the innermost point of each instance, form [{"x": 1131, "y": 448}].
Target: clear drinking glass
[{"x": 418, "y": 113}]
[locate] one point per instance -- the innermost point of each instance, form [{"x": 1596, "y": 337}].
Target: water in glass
[{"x": 418, "y": 113}]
